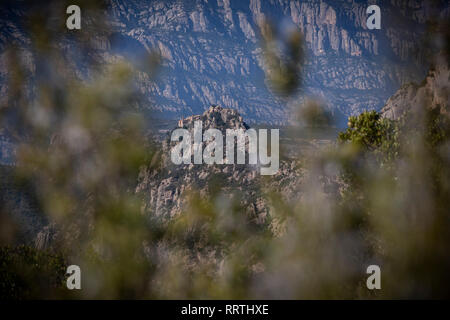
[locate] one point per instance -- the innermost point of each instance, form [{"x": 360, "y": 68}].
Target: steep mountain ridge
[
  {"x": 212, "y": 52},
  {"x": 166, "y": 187}
]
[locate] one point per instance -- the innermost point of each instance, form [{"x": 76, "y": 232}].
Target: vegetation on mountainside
[{"x": 370, "y": 132}]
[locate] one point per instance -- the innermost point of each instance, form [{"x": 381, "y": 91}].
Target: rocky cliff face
[
  {"x": 212, "y": 52},
  {"x": 432, "y": 92},
  {"x": 215, "y": 117},
  {"x": 166, "y": 187}
]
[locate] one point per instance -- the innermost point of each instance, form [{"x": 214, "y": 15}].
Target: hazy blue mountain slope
[{"x": 212, "y": 54}]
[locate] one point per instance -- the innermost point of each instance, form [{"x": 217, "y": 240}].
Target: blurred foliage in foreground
[
  {"x": 82, "y": 143},
  {"x": 23, "y": 265}
]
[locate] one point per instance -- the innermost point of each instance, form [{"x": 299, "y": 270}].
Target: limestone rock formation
[
  {"x": 165, "y": 188},
  {"x": 433, "y": 92}
]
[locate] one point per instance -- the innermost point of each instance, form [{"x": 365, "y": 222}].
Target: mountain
[
  {"x": 19, "y": 204},
  {"x": 212, "y": 52},
  {"x": 166, "y": 186}
]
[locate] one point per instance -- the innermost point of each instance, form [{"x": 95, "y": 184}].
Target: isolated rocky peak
[
  {"x": 164, "y": 188},
  {"x": 215, "y": 117}
]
